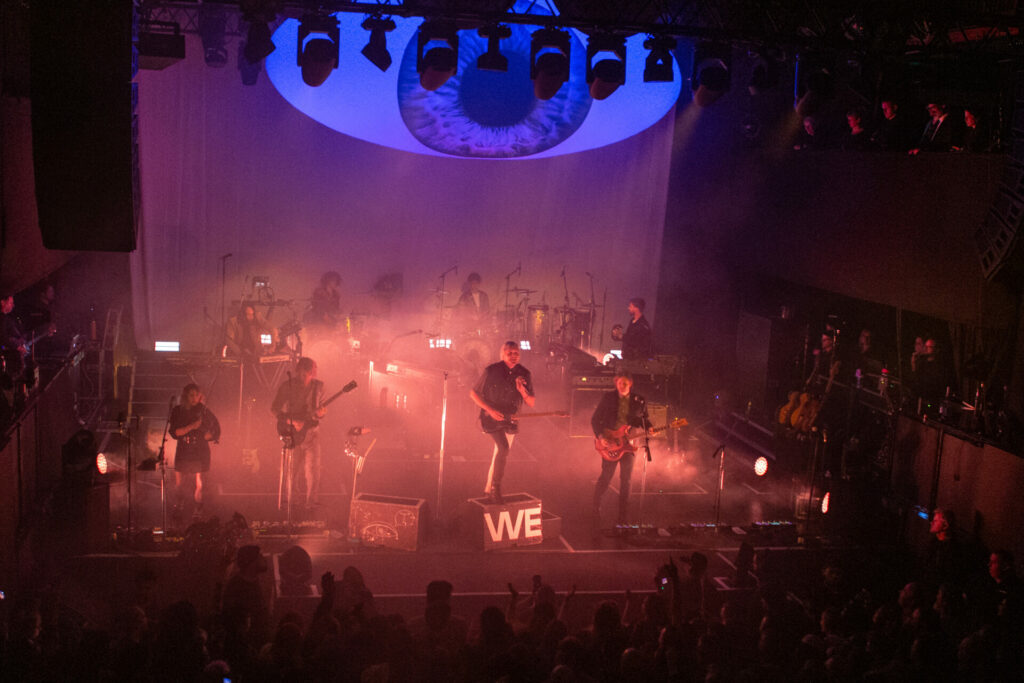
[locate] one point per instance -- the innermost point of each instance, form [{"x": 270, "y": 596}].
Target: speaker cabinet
[
  {"x": 84, "y": 123},
  {"x": 582, "y": 404},
  {"x": 387, "y": 521},
  {"x": 767, "y": 361}
]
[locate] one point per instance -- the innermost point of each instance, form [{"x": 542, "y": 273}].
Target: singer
[
  {"x": 193, "y": 426},
  {"x": 616, "y": 413}
]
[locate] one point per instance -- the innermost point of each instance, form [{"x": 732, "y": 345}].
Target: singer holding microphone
[
  {"x": 616, "y": 413},
  {"x": 193, "y": 426}
]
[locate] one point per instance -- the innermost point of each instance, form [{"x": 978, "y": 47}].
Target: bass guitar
[
  {"x": 292, "y": 428},
  {"x": 508, "y": 425},
  {"x": 615, "y": 443}
]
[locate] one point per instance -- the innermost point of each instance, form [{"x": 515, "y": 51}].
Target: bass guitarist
[
  {"x": 500, "y": 391},
  {"x": 617, "y": 409},
  {"x": 297, "y": 405}
]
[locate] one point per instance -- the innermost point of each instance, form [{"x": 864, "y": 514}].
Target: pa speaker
[{"x": 84, "y": 124}]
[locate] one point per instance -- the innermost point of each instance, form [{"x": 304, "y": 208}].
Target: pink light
[
  {"x": 101, "y": 463},
  {"x": 825, "y": 502},
  {"x": 761, "y": 466}
]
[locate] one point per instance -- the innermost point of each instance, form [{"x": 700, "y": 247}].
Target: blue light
[{"x": 359, "y": 100}]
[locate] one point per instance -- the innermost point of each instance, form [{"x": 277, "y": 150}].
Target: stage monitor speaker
[
  {"x": 517, "y": 521},
  {"x": 388, "y": 521},
  {"x": 84, "y": 124},
  {"x": 582, "y": 404}
]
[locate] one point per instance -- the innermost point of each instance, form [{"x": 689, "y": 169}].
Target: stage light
[
  {"x": 376, "y": 49},
  {"x": 437, "y": 53},
  {"x": 606, "y": 64},
  {"x": 213, "y": 23},
  {"x": 160, "y": 44},
  {"x": 266, "y": 339},
  {"x": 524, "y": 345},
  {"x": 167, "y": 346},
  {"x": 318, "y": 56},
  {"x": 248, "y": 71},
  {"x": 259, "y": 14},
  {"x": 710, "y": 78},
  {"x": 825, "y": 501},
  {"x": 761, "y": 466},
  {"x": 549, "y": 61},
  {"x": 101, "y": 463},
  {"x": 493, "y": 60},
  {"x": 764, "y": 76},
  {"x": 658, "y": 68}
]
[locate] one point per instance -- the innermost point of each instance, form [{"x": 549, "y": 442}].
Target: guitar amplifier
[
  {"x": 600, "y": 379},
  {"x": 387, "y": 521}
]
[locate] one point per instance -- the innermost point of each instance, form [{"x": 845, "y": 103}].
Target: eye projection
[{"x": 476, "y": 113}]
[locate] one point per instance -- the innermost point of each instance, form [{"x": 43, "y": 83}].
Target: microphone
[
  {"x": 519, "y": 268},
  {"x": 227, "y": 256},
  {"x": 588, "y": 275},
  {"x": 563, "y": 272}
]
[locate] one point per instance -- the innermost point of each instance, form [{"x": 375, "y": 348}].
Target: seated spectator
[
  {"x": 938, "y": 134},
  {"x": 892, "y": 132},
  {"x": 974, "y": 137},
  {"x": 857, "y": 137}
]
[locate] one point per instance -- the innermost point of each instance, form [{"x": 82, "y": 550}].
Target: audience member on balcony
[
  {"x": 812, "y": 136},
  {"x": 892, "y": 132},
  {"x": 929, "y": 374},
  {"x": 973, "y": 137},
  {"x": 857, "y": 136},
  {"x": 938, "y": 134}
]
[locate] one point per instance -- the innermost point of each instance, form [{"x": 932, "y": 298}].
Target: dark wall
[{"x": 887, "y": 228}]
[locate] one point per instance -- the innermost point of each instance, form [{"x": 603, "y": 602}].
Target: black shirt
[
  {"x": 638, "y": 340},
  {"x": 606, "y": 415},
  {"x": 497, "y": 387}
]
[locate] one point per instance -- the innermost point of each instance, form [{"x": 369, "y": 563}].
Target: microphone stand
[
  {"x": 223, "y": 300},
  {"x": 508, "y": 307},
  {"x": 646, "y": 422},
  {"x": 721, "y": 483},
  {"x": 440, "y": 304},
  {"x": 162, "y": 461}
]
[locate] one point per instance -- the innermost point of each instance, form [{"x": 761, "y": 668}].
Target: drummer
[{"x": 473, "y": 308}]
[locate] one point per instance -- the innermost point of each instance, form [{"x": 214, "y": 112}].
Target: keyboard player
[{"x": 246, "y": 332}]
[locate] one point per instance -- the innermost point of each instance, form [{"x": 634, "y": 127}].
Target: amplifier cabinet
[
  {"x": 387, "y": 521},
  {"x": 582, "y": 404}
]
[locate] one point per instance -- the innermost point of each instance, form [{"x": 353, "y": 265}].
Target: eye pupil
[{"x": 497, "y": 99}]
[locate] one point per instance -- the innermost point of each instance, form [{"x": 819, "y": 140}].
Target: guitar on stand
[{"x": 615, "y": 443}]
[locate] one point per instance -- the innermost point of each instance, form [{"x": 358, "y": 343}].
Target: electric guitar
[
  {"x": 615, "y": 443},
  {"x": 508, "y": 425},
  {"x": 294, "y": 427}
]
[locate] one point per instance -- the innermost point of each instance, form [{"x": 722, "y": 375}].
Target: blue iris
[{"x": 487, "y": 114}]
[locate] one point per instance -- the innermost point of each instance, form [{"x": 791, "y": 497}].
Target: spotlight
[
  {"x": 549, "y": 61},
  {"x": 101, "y": 463},
  {"x": 160, "y": 44},
  {"x": 764, "y": 76},
  {"x": 259, "y": 14},
  {"x": 606, "y": 74},
  {"x": 825, "y": 501},
  {"x": 319, "y": 55},
  {"x": 213, "y": 22},
  {"x": 438, "y": 63},
  {"x": 249, "y": 71},
  {"x": 658, "y": 68},
  {"x": 710, "y": 78},
  {"x": 493, "y": 60},
  {"x": 376, "y": 49},
  {"x": 761, "y": 466}
]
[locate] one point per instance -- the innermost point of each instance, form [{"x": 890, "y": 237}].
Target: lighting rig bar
[{"x": 828, "y": 25}]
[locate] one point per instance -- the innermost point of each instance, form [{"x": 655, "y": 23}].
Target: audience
[{"x": 947, "y": 623}]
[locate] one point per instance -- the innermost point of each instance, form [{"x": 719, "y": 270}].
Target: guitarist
[
  {"x": 617, "y": 409},
  {"x": 298, "y": 399},
  {"x": 500, "y": 391}
]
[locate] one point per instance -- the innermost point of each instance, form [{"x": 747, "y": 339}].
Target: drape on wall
[{"x": 229, "y": 169}]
